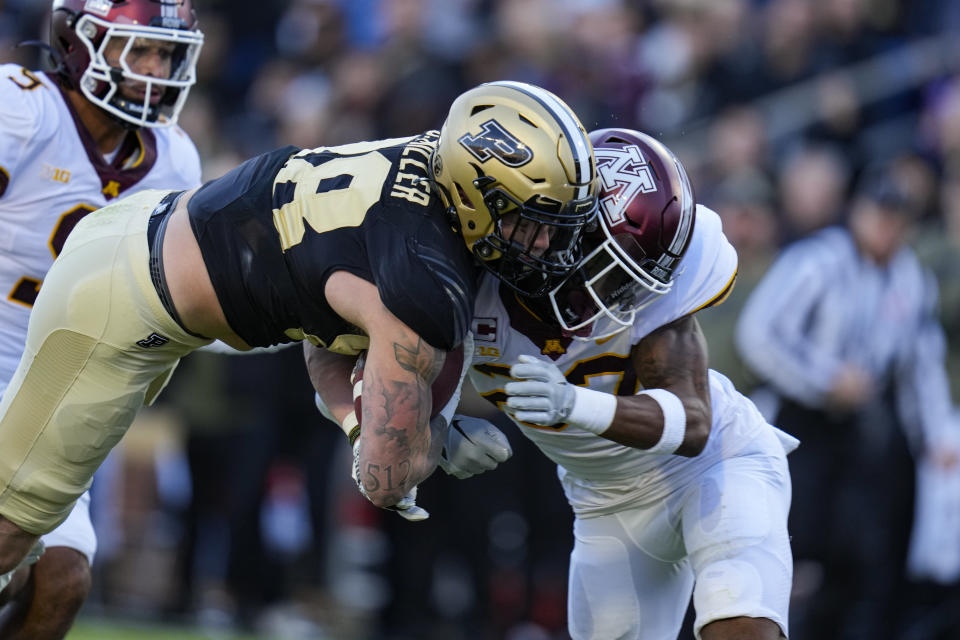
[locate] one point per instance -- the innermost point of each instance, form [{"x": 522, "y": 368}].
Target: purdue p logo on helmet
[
  {"x": 514, "y": 156},
  {"x": 496, "y": 142}
]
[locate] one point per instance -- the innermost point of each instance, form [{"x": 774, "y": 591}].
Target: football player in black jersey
[
  {"x": 369, "y": 246},
  {"x": 513, "y": 172}
]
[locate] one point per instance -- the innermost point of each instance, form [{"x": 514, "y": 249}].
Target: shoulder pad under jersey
[
  {"x": 182, "y": 155},
  {"x": 425, "y": 277},
  {"x": 705, "y": 277},
  {"x": 28, "y": 116}
]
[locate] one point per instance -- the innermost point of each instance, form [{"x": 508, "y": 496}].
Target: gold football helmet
[{"x": 516, "y": 170}]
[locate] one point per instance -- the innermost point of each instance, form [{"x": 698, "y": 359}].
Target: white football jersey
[
  {"x": 600, "y": 476},
  {"x": 51, "y": 175}
]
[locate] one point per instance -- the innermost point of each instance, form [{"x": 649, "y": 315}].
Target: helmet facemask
[
  {"x": 538, "y": 241},
  {"x": 102, "y": 83},
  {"x": 607, "y": 283}
]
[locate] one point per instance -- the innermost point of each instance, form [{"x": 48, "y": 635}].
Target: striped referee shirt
[{"x": 823, "y": 304}]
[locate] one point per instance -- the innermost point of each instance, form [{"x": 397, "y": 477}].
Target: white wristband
[
  {"x": 351, "y": 426},
  {"x": 592, "y": 410},
  {"x": 674, "y": 421}
]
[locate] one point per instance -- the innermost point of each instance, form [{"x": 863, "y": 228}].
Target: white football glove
[
  {"x": 473, "y": 446},
  {"x": 543, "y": 396}
]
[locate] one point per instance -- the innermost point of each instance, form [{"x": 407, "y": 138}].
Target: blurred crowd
[{"x": 231, "y": 505}]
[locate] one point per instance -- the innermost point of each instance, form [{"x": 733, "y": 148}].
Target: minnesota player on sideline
[
  {"x": 360, "y": 247},
  {"x": 677, "y": 483},
  {"x": 100, "y": 126}
]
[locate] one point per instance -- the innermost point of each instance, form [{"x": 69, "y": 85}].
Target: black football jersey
[{"x": 273, "y": 230}]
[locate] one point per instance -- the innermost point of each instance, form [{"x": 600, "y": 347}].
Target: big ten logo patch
[{"x": 56, "y": 174}]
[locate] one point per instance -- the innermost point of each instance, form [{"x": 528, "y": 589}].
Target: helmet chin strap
[
  {"x": 450, "y": 211},
  {"x": 45, "y": 46}
]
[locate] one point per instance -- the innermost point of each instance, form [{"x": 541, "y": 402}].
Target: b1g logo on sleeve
[
  {"x": 624, "y": 173},
  {"x": 494, "y": 141}
]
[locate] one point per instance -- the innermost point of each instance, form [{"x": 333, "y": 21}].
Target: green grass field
[{"x": 96, "y": 630}]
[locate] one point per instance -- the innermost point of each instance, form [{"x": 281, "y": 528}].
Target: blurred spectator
[
  {"x": 812, "y": 187},
  {"x": 941, "y": 121},
  {"x": 788, "y": 40},
  {"x": 939, "y": 248},
  {"x": 737, "y": 142},
  {"x": 260, "y": 460},
  {"x": 842, "y": 330},
  {"x": 744, "y": 203}
]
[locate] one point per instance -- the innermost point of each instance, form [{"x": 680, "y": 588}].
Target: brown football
[{"x": 442, "y": 388}]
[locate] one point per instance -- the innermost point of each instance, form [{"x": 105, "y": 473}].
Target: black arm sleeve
[{"x": 426, "y": 279}]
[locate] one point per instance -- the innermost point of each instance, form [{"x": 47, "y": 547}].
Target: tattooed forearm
[
  {"x": 397, "y": 447},
  {"x": 425, "y": 363},
  {"x": 423, "y": 360},
  {"x": 384, "y": 401},
  {"x": 386, "y": 477},
  {"x": 398, "y": 436}
]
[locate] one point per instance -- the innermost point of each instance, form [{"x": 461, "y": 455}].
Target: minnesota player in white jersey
[
  {"x": 677, "y": 483},
  {"x": 101, "y": 126}
]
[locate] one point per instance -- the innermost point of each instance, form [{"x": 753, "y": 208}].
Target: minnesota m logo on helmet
[
  {"x": 624, "y": 174},
  {"x": 494, "y": 141}
]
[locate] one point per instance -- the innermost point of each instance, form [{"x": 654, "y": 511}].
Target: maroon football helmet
[
  {"x": 81, "y": 32},
  {"x": 647, "y": 212}
]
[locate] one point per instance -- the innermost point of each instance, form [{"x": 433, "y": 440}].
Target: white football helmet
[{"x": 647, "y": 214}]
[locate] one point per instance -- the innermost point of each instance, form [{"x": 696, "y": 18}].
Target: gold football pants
[{"x": 100, "y": 345}]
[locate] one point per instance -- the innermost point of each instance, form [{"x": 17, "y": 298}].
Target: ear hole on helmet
[
  {"x": 463, "y": 196},
  {"x": 527, "y": 120},
  {"x": 546, "y": 203}
]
